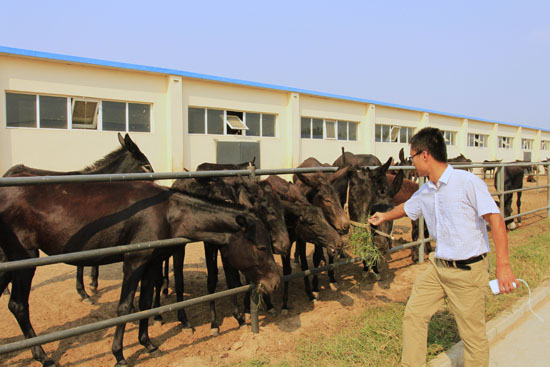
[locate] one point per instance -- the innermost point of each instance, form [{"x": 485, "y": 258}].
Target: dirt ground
[{"x": 55, "y": 306}]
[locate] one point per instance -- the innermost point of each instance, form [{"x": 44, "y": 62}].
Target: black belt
[{"x": 462, "y": 264}]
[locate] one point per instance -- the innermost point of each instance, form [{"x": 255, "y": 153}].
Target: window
[
  {"x": 477, "y": 140},
  {"x": 54, "y": 112},
  {"x": 450, "y": 137},
  {"x": 20, "y": 110},
  {"x": 84, "y": 113},
  {"x": 222, "y": 122},
  {"x": 545, "y": 145},
  {"x": 505, "y": 142},
  {"x": 393, "y": 134},
  {"x": 315, "y": 128},
  {"x": 527, "y": 144}
]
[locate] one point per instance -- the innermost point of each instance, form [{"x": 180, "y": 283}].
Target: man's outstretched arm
[{"x": 379, "y": 218}]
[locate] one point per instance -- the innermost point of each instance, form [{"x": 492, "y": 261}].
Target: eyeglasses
[{"x": 417, "y": 153}]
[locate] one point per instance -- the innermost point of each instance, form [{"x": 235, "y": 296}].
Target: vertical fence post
[
  {"x": 547, "y": 189},
  {"x": 254, "y": 298},
  {"x": 500, "y": 189}
]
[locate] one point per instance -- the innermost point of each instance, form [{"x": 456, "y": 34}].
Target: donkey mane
[
  {"x": 204, "y": 201},
  {"x": 103, "y": 162}
]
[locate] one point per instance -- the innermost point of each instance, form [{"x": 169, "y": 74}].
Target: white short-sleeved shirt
[{"x": 453, "y": 212}]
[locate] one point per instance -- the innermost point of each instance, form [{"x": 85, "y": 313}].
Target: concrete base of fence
[{"x": 496, "y": 329}]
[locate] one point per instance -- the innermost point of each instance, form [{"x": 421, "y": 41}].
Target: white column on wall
[
  {"x": 462, "y": 136},
  {"x": 367, "y": 128},
  {"x": 176, "y": 137},
  {"x": 493, "y": 140},
  {"x": 517, "y": 144},
  {"x": 536, "y": 149},
  {"x": 291, "y": 132}
]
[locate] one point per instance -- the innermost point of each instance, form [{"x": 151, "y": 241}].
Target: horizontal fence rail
[{"x": 84, "y": 255}]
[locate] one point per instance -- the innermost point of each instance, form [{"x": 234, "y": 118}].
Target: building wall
[
  {"x": 62, "y": 149},
  {"x": 169, "y": 147}
]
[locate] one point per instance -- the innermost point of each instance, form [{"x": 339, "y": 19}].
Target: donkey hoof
[
  {"x": 121, "y": 363},
  {"x": 333, "y": 286},
  {"x": 187, "y": 328},
  {"x": 157, "y": 322},
  {"x": 48, "y": 362},
  {"x": 88, "y": 301},
  {"x": 215, "y": 331},
  {"x": 284, "y": 311},
  {"x": 315, "y": 295},
  {"x": 512, "y": 226},
  {"x": 151, "y": 348},
  {"x": 272, "y": 311}
]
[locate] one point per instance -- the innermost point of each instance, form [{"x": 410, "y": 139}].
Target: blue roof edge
[{"x": 158, "y": 70}]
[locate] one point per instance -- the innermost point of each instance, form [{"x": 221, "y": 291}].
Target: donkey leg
[
  {"x": 132, "y": 275},
  {"x": 156, "y": 295},
  {"x": 332, "y": 279},
  {"x": 211, "y": 256},
  {"x": 165, "y": 277},
  {"x": 150, "y": 277},
  {"x": 94, "y": 275},
  {"x": 19, "y": 307},
  {"x": 80, "y": 285},
  {"x": 287, "y": 269},
  {"x": 179, "y": 258},
  {"x": 318, "y": 256},
  {"x": 301, "y": 245},
  {"x": 5, "y": 279},
  {"x": 233, "y": 280}
]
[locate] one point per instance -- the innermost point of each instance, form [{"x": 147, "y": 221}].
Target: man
[{"x": 456, "y": 206}]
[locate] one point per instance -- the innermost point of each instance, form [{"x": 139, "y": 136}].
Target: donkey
[
  {"x": 369, "y": 189},
  {"x": 318, "y": 189},
  {"x": 257, "y": 196},
  {"x": 53, "y": 221},
  {"x": 126, "y": 159},
  {"x": 306, "y": 223},
  {"x": 513, "y": 179}
]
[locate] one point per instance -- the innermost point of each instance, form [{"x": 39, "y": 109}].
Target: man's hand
[
  {"x": 381, "y": 217},
  {"x": 377, "y": 218}
]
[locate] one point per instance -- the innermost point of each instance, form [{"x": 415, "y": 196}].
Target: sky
[{"x": 483, "y": 59}]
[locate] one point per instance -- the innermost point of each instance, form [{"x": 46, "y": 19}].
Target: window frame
[
  {"x": 384, "y": 133},
  {"x": 527, "y": 144},
  {"x": 95, "y": 119},
  {"x": 325, "y": 136},
  {"x": 98, "y": 114},
  {"x": 227, "y": 125},
  {"x": 480, "y": 139},
  {"x": 505, "y": 142}
]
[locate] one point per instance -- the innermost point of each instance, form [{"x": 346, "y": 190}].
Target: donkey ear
[
  {"x": 121, "y": 140},
  {"x": 402, "y": 155},
  {"x": 244, "y": 200},
  {"x": 241, "y": 221},
  {"x": 129, "y": 144},
  {"x": 396, "y": 184},
  {"x": 305, "y": 179},
  {"x": 382, "y": 169}
]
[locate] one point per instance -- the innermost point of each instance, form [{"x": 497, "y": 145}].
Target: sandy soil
[{"x": 55, "y": 306}]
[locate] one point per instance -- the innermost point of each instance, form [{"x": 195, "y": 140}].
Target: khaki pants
[{"x": 466, "y": 291}]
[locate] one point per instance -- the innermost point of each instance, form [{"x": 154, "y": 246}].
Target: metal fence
[{"x": 82, "y": 255}]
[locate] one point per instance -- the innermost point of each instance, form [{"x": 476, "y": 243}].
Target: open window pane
[
  {"x": 306, "y": 127},
  {"x": 139, "y": 117},
  {"x": 268, "y": 125},
  {"x": 84, "y": 114},
  {"x": 53, "y": 112},
  {"x": 195, "y": 120},
  {"x": 317, "y": 128},
  {"x": 253, "y": 123},
  {"x": 235, "y": 123},
  {"x": 215, "y": 121},
  {"x": 331, "y": 129},
  {"x": 394, "y": 135},
  {"x": 20, "y": 110},
  {"x": 114, "y": 116}
]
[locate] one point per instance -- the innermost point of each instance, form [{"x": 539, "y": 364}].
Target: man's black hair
[{"x": 431, "y": 140}]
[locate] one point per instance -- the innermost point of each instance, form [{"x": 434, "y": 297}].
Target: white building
[{"x": 62, "y": 112}]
